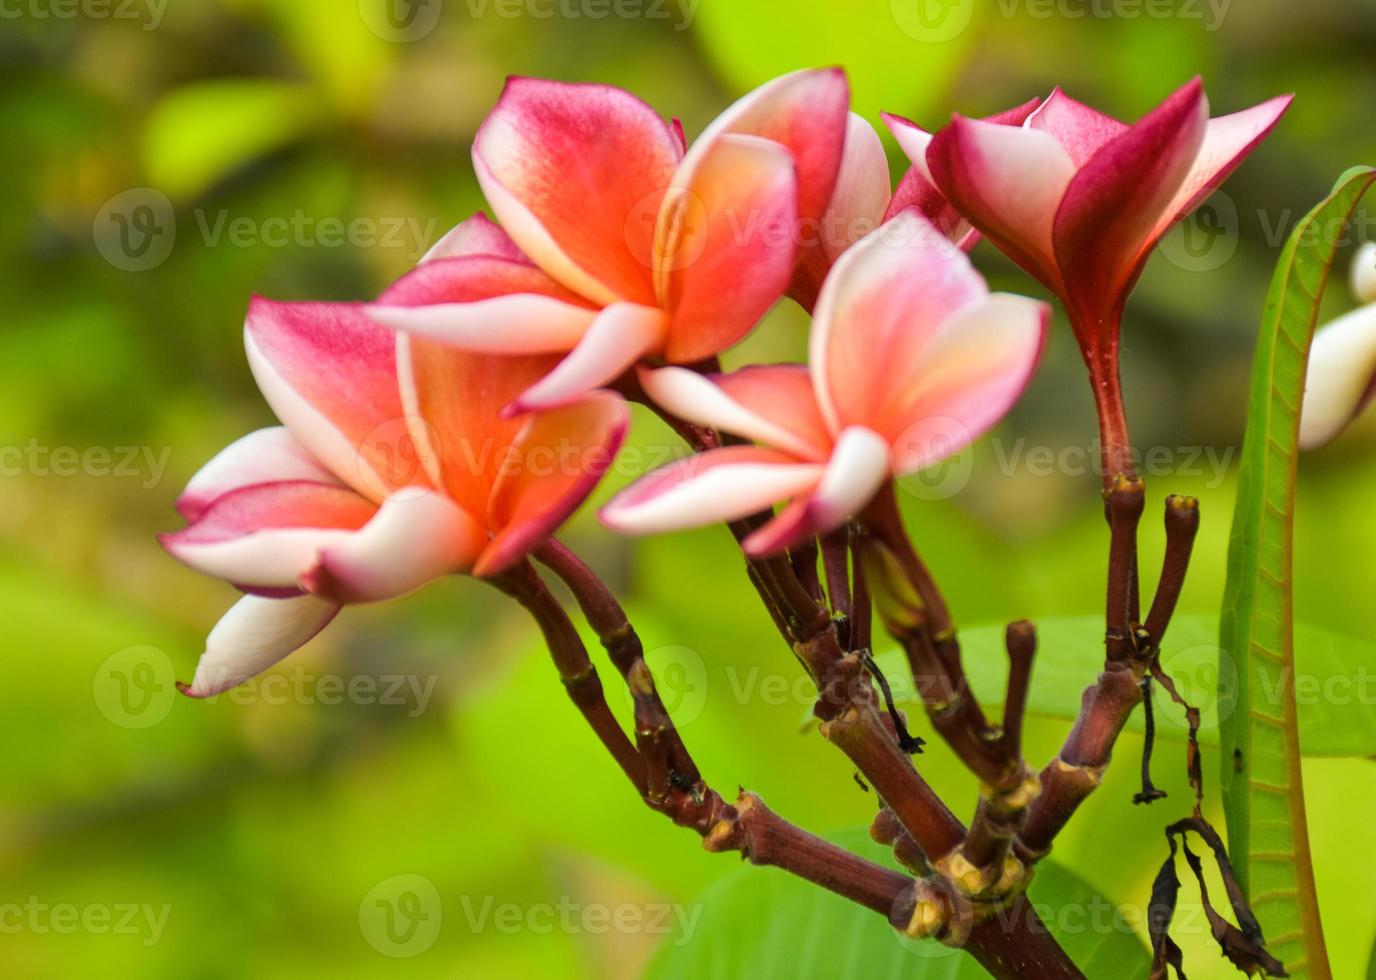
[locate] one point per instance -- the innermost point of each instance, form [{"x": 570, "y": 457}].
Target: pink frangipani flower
[
  {"x": 628, "y": 245},
  {"x": 1079, "y": 200},
  {"x": 392, "y": 467},
  {"x": 911, "y": 359}
]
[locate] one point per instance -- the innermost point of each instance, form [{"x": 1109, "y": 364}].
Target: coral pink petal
[
  {"x": 269, "y": 455},
  {"x": 735, "y": 249},
  {"x": 970, "y": 374},
  {"x": 881, "y": 304},
  {"x": 719, "y": 485},
  {"x": 862, "y": 191},
  {"x": 1104, "y": 226},
  {"x": 552, "y": 467},
  {"x": 265, "y": 536},
  {"x": 475, "y": 236},
  {"x": 454, "y": 401},
  {"x": 252, "y": 636},
  {"x": 576, "y": 174},
  {"x": 415, "y": 536},
  {"x": 806, "y": 111},
  {"x": 769, "y": 404},
  {"x": 329, "y": 373},
  {"x": 622, "y": 334}
]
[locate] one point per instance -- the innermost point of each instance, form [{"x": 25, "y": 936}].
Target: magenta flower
[
  {"x": 1079, "y": 200},
  {"x": 911, "y": 359},
  {"x": 392, "y": 467},
  {"x": 636, "y": 246}
]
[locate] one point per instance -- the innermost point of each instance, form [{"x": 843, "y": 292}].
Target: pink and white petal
[
  {"x": 521, "y": 323},
  {"x": 918, "y": 189},
  {"x": 415, "y": 536},
  {"x": 862, "y": 191},
  {"x": 1079, "y": 128},
  {"x": 552, "y": 467},
  {"x": 1227, "y": 142},
  {"x": 329, "y": 373},
  {"x": 265, "y": 536},
  {"x": 475, "y": 236},
  {"x": 252, "y": 636},
  {"x": 806, "y": 112},
  {"x": 912, "y": 139},
  {"x": 885, "y": 298},
  {"x": 736, "y": 248},
  {"x": 576, "y": 174},
  {"x": 770, "y": 404},
  {"x": 858, "y": 467},
  {"x": 1008, "y": 181},
  {"x": 1341, "y": 378},
  {"x": 972, "y": 372},
  {"x": 1104, "y": 226},
  {"x": 485, "y": 304},
  {"x": 268, "y": 455},
  {"x": 719, "y": 485},
  {"x": 622, "y": 334}
]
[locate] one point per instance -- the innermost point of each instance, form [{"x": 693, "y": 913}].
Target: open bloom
[
  {"x": 1342, "y": 362},
  {"x": 911, "y": 359},
  {"x": 643, "y": 248},
  {"x": 392, "y": 467}
]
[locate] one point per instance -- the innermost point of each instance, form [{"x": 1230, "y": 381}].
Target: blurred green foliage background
[{"x": 336, "y": 141}]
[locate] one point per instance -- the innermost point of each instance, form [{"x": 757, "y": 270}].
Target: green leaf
[
  {"x": 767, "y": 925},
  {"x": 1263, "y": 792},
  {"x": 1336, "y": 718},
  {"x": 198, "y": 134}
]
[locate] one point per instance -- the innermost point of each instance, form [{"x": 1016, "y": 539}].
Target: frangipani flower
[
  {"x": 392, "y": 467},
  {"x": 1342, "y": 362},
  {"x": 911, "y": 359},
  {"x": 1079, "y": 200},
  {"x": 646, "y": 249}
]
